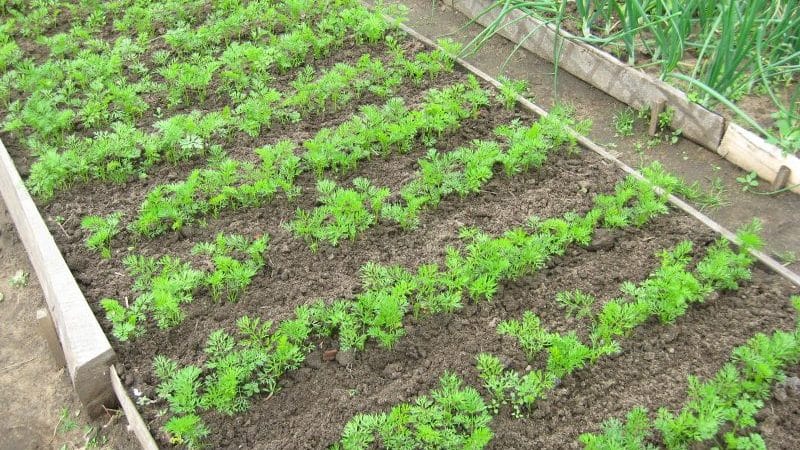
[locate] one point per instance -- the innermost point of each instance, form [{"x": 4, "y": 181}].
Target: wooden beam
[
  {"x": 639, "y": 90},
  {"x": 135, "y": 421},
  {"x": 751, "y": 153}
]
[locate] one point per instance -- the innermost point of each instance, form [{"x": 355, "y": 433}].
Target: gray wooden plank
[{"x": 135, "y": 420}]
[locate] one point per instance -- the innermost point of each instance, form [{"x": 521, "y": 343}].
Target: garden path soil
[{"x": 316, "y": 400}]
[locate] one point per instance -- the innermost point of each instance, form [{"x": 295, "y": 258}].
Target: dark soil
[
  {"x": 316, "y": 401},
  {"x": 779, "y": 420}
]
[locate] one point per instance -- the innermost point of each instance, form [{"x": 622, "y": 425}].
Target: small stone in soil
[
  {"x": 780, "y": 394},
  {"x": 345, "y": 358},
  {"x": 603, "y": 240},
  {"x": 329, "y": 355}
]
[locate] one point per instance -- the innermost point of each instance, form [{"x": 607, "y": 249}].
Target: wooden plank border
[
  {"x": 135, "y": 421},
  {"x": 639, "y": 90},
  {"x": 750, "y": 152},
  {"x": 87, "y": 352}
]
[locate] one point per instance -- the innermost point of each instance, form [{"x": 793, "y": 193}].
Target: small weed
[
  {"x": 452, "y": 416},
  {"x": 665, "y": 118},
  {"x": 693, "y": 192},
  {"x": 748, "y": 181},
  {"x": 674, "y": 136},
  {"x": 616, "y": 434},
  {"x": 718, "y": 193},
  {"x": 507, "y": 387},
  {"x": 66, "y": 422},
  {"x": 529, "y": 332},
  {"x": 102, "y": 230},
  {"x": 788, "y": 126},
  {"x": 19, "y": 279},
  {"x": 344, "y": 213},
  {"x": 510, "y": 89},
  {"x": 787, "y": 257},
  {"x": 97, "y": 441},
  {"x": 623, "y": 122}
]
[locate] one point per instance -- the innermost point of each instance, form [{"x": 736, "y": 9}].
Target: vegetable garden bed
[{"x": 363, "y": 253}]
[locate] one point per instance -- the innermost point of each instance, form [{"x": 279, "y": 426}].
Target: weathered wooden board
[
  {"x": 628, "y": 85},
  {"x": 135, "y": 421},
  {"x": 750, "y": 152},
  {"x": 87, "y": 351}
]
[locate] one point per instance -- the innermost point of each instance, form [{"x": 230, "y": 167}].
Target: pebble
[
  {"x": 346, "y": 358},
  {"x": 780, "y": 394},
  {"x": 670, "y": 336},
  {"x": 329, "y": 355},
  {"x": 603, "y": 240}
]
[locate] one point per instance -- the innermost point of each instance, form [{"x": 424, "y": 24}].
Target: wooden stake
[
  {"x": 48, "y": 332},
  {"x": 655, "y": 110},
  {"x": 781, "y": 178}
]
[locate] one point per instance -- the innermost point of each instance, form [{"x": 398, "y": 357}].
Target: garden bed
[{"x": 325, "y": 385}]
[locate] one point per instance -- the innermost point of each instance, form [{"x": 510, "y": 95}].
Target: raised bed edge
[
  {"x": 87, "y": 352},
  {"x": 638, "y": 89},
  {"x": 135, "y": 421}
]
